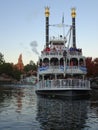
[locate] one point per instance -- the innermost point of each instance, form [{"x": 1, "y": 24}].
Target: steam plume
[{"x": 34, "y": 46}]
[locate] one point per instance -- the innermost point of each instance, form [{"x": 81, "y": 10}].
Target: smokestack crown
[
  {"x": 47, "y": 13},
  {"x": 73, "y": 12}
]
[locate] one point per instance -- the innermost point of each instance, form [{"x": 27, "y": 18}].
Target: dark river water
[{"x": 22, "y": 109}]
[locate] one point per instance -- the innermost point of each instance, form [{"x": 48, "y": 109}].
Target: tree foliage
[
  {"x": 1, "y": 58},
  {"x": 95, "y": 67},
  {"x": 10, "y": 70},
  {"x": 92, "y": 67},
  {"x": 31, "y": 66}
]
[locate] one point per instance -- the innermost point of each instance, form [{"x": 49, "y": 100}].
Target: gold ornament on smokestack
[
  {"x": 47, "y": 13},
  {"x": 73, "y": 12}
]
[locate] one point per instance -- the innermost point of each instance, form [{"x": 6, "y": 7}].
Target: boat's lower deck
[
  {"x": 63, "y": 84},
  {"x": 63, "y": 87}
]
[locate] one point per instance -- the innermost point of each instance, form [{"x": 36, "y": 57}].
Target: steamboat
[{"x": 61, "y": 66}]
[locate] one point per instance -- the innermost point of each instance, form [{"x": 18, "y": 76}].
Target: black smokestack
[
  {"x": 73, "y": 14},
  {"x": 47, "y": 13}
]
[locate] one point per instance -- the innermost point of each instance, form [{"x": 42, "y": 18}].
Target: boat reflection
[{"x": 59, "y": 114}]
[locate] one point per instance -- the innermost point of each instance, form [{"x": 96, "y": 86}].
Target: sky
[{"x": 22, "y": 25}]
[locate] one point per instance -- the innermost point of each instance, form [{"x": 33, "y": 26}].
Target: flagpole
[{"x": 63, "y": 26}]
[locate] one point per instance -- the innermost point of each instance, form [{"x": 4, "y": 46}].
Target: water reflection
[
  {"x": 57, "y": 114},
  {"x": 18, "y": 108},
  {"x": 7, "y": 94},
  {"x": 5, "y": 97},
  {"x": 21, "y": 108}
]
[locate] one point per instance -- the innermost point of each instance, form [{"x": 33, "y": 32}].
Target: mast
[
  {"x": 73, "y": 14},
  {"x": 47, "y": 13}
]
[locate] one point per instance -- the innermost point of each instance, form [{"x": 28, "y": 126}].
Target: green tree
[
  {"x": 16, "y": 74},
  {"x": 10, "y": 70},
  {"x": 31, "y": 66},
  {"x": 1, "y": 58},
  {"x": 6, "y": 68}
]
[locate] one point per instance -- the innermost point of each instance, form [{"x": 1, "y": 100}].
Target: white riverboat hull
[{"x": 64, "y": 93}]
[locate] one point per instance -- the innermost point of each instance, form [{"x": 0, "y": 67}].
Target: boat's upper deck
[{"x": 57, "y": 46}]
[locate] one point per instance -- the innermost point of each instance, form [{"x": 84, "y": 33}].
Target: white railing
[
  {"x": 45, "y": 53},
  {"x": 64, "y": 84},
  {"x": 60, "y": 52}
]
